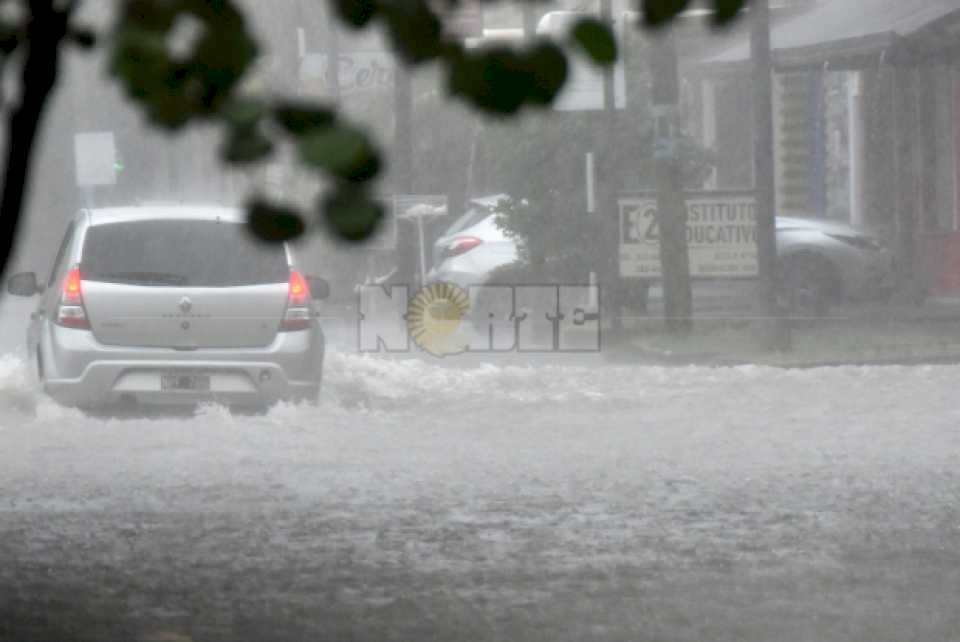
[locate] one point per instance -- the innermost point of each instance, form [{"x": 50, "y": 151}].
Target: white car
[
  {"x": 473, "y": 246},
  {"x": 173, "y": 305},
  {"x": 821, "y": 260}
]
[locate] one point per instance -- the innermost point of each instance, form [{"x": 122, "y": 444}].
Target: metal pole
[
  {"x": 423, "y": 252},
  {"x": 591, "y": 192},
  {"x": 333, "y": 60},
  {"x": 764, "y": 171}
]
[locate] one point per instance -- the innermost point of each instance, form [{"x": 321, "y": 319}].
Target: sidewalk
[{"x": 864, "y": 334}]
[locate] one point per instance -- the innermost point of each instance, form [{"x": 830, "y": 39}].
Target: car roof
[{"x": 108, "y": 215}]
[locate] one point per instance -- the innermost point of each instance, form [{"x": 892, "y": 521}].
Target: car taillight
[
  {"x": 461, "y": 245},
  {"x": 297, "y": 316},
  {"x": 70, "y": 311}
]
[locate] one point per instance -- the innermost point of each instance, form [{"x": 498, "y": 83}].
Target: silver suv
[{"x": 173, "y": 305}]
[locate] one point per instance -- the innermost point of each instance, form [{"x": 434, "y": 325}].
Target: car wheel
[{"x": 805, "y": 286}]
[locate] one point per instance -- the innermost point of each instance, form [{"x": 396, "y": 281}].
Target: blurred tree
[
  {"x": 183, "y": 61},
  {"x": 542, "y": 169}
]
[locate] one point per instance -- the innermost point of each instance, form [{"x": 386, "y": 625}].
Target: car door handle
[{"x": 36, "y": 315}]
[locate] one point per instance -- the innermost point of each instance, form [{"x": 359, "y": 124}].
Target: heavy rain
[{"x": 429, "y": 320}]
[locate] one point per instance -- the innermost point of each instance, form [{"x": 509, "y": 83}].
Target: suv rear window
[{"x": 180, "y": 253}]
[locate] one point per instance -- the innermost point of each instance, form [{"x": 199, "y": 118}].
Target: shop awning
[{"x": 848, "y": 32}]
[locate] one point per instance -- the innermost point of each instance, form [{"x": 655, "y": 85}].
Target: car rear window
[
  {"x": 181, "y": 253},
  {"x": 472, "y": 216}
]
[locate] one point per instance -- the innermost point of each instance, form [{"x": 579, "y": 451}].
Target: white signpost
[
  {"x": 721, "y": 236},
  {"x": 416, "y": 208}
]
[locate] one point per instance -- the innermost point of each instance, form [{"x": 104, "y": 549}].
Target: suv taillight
[
  {"x": 70, "y": 310},
  {"x": 297, "y": 316},
  {"x": 461, "y": 245}
]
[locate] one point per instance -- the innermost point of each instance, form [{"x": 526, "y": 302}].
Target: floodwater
[{"x": 507, "y": 500}]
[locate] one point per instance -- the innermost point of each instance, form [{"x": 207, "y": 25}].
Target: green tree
[{"x": 175, "y": 88}]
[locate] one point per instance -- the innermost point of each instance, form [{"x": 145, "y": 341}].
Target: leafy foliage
[
  {"x": 596, "y": 40},
  {"x": 200, "y": 81},
  {"x": 657, "y": 13},
  {"x": 273, "y": 223}
]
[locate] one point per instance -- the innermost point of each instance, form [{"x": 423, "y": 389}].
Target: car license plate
[{"x": 185, "y": 382}]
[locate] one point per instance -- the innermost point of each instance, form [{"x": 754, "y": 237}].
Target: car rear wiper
[{"x": 162, "y": 278}]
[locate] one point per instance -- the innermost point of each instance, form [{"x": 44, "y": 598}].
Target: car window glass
[
  {"x": 57, "y": 267},
  {"x": 181, "y": 253},
  {"x": 471, "y": 217}
]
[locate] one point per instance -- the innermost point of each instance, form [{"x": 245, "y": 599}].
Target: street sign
[
  {"x": 95, "y": 155},
  {"x": 417, "y": 208},
  {"x": 413, "y": 206},
  {"x": 721, "y": 236}
]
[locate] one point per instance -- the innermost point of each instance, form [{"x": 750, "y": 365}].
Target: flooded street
[{"x": 500, "y": 501}]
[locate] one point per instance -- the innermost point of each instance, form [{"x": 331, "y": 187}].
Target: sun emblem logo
[{"x": 435, "y": 317}]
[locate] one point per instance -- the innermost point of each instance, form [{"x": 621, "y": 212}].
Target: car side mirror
[
  {"x": 319, "y": 288},
  {"x": 23, "y": 284}
]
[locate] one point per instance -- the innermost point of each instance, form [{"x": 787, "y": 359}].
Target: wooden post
[{"x": 671, "y": 208}]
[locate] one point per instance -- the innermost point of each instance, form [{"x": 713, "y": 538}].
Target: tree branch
[{"x": 46, "y": 30}]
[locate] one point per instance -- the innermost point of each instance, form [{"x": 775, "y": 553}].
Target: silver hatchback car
[{"x": 173, "y": 305}]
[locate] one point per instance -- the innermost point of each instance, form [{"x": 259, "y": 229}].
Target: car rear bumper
[
  {"x": 108, "y": 383},
  {"x": 79, "y": 371}
]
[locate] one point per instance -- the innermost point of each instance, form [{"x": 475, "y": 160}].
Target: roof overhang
[{"x": 853, "y": 34}]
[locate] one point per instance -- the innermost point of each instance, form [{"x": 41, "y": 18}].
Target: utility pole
[
  {"x": 406, "y": 253},
  {"x": 764, "y": 160},
  {"x": 671, "y": 207},
  {"x": 333, "y": 59},
  {"x": 609, "y": 223}
]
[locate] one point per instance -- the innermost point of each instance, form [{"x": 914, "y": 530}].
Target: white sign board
[
  {"x": 583, "y": 90},
  {"x": 96, "y": 157},
  {"x": 415, "y": 206},
  {"x": 721, "y": 236}
]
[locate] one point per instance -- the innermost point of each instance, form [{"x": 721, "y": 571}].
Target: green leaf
[
  {"x": 245, "y": 145},
  {"x": 657, "y": 13},
  {"x": 299, "y": 119},
  {"x": 356, "y": 13},
  {"x": 596, "y": 40},
  {"x": 82, "y": 37},
  {"x": 492, "y": 79},
  {"x": 351, "y": 214},
  {"x": 10, "y": 38},
  {"x": 414, "y": 30},
  {"x": 273, "y": 223},
  {"x": 343, "y": 151},
  {"x": 547, "y": 67},
  {"x": 725, "y": 11},
  {"x": 175, "y": 91},
  {"x": 244, "y": 112}
]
